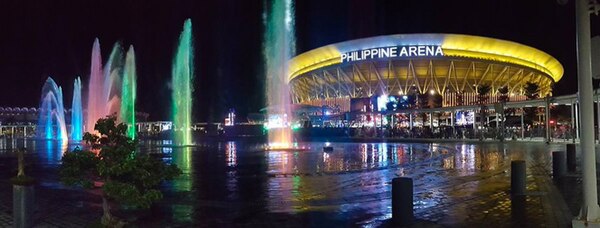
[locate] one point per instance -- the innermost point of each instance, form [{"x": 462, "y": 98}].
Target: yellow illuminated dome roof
[{"x": 453, "y": 45}]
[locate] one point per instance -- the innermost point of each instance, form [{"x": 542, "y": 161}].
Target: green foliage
[{"x": 128, "y": 177}]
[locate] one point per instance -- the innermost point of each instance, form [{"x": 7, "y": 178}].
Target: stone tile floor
[{"x": 480, "y": 200}]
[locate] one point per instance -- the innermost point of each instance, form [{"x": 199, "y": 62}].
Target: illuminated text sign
[{"x": 392, "y": 52}]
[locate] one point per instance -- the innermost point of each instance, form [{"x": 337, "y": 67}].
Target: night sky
[{"x": 54, "y": 38}]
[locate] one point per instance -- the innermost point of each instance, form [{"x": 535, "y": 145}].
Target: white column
[
  {"x": 475, "y": 122},
  {"x": 547, "y": 118},
  {"x": 410, "y": 120},
  {"x": 431, "y": 120},
  {"x": 522, "y": 124},
  {"x": 590, "y": 212}
]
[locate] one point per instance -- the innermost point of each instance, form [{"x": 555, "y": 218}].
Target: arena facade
[{"x": 451, "y": 67}]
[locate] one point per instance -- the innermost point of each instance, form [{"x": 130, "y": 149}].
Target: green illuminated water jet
[
  {"x": 181, "y": 82},
  {"x": 279, "y": 46},
  {"x": 128, "y": 93}
]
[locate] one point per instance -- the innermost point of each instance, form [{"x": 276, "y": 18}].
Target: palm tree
[{"x": 483, "y": 91}]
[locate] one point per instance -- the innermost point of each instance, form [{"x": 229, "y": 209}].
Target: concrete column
[
  {"x": 518, "y": 177},
  {"x": 23, "y": 206},
  {"x": 559, "y": 165},
  {"x": 571, "y": 157},
  {"x": 590, "y": 212},
  {"x": 402, "y": 201}
]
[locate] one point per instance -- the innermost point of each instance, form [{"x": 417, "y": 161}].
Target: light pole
[{"x": 590, "y": 212}]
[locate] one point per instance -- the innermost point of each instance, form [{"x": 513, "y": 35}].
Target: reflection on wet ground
[{"x": 233, "y": 183}]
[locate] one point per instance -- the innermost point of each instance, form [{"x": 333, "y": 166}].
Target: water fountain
[
  {"x": 95, "y": 89},
  {"x": 76, "y": 112},
  {"x": 51, "y": 119},
  {"x": 113, "y": 71},
  {"x": 279, "y": 46},
  {"x": 104, "y": 86},
  {"x": 181, "y": 82},
  {"x": 128, "y": 91}
]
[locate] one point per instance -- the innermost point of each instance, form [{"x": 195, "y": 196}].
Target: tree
[
  {"x": 531, "y": 91},
  {"x": 483, "y": 93},
  {"x": 503, "y": 98},
  {"x": 126, "y": 177},
  {"x": 483, "y": 98},
  {"x": 503, "y": 94}
]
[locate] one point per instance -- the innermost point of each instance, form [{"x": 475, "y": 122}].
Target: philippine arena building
[{"x": 365, "y": 75}]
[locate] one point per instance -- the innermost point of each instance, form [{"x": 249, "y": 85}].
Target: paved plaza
[{"x": 460, "y": 185}]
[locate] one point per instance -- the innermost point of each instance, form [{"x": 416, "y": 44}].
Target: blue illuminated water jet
[
  {"x": 51, "y": 119},
  {"x": 76, "y": 112}
]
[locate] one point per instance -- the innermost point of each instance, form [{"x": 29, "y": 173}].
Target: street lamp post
[{"x": 590, "y": 212}]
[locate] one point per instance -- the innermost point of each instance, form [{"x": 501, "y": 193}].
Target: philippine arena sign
[{"x": 393, "y": 52}]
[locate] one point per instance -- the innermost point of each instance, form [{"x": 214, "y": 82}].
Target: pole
[
  {"x": 598, "y": 116},
  {"x": 431, "y": 120},
  {"x": 410, "y": 120},
  {"x": 452, "y": 122},
  {"x": 577, "y": 120},
  {"x": 573, "y": 121},
  {"x": 590, "y": 212},
  {"x": 547, "y": 117},
  {"x": 475, "y": 123},
  {"x": 522, "y": 124}
]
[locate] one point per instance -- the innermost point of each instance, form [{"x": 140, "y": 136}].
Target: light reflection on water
[{"x": 222, "y": 180}]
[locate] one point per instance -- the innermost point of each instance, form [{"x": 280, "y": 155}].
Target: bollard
[
  {"x": 402, "y": 201},
  {"x": 571, "y": 157},
  {"x": 518, "y": 175},
  {"x": 558, "y": 164}
]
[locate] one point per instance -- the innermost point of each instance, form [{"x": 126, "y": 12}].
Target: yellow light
[
  {"x": 453, "y": 45},
  {"x": 432, "y": 92}
]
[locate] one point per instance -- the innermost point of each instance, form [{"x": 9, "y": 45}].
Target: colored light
[
  {"x": 279, "y": 45},
  {"x": 76, "y": 112},
  {"x": 52, "y": 113},
  {"x": 182, "y": 77},
  {"x": 128, "y": 91},
  {"x": 453, "y": 45}
]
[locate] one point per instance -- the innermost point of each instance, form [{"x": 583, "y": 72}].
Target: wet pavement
[{"x": 236, "y": 184}]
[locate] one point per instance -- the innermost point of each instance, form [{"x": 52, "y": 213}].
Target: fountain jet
[
  {"x": 76, "y": 112},
  {"x": 128, "y": 91},
  {"x": 51, "y": 114},
  {"x": 279, "y": 46},
  {"x": 104, "y": 86},
  {"x": 181, "y": 82}
]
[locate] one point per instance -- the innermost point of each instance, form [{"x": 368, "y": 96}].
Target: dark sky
[{"x": 51, "y": 37}]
